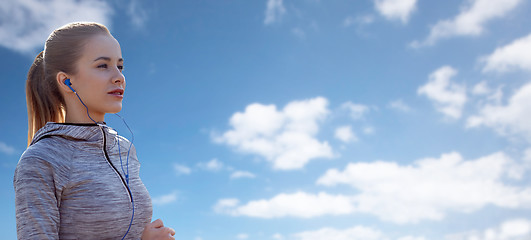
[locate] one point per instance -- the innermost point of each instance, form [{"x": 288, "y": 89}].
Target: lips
[{"x": 117, "y": 92}]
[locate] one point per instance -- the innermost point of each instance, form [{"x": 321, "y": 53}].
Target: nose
[{"x": 119, "y": 78}]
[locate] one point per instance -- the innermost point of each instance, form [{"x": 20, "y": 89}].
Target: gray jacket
[{"x": 69, "y": 184}]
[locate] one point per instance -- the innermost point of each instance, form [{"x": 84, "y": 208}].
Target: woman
[{"x": 78, "y": 179}]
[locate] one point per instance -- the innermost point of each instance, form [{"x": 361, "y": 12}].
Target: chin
[{"x": 114, "y": 109}]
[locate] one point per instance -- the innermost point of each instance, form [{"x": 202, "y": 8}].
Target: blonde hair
[{"x": 62, "y": 50}]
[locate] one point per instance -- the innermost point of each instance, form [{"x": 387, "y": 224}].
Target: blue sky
[{"x": 308, "y": 119}]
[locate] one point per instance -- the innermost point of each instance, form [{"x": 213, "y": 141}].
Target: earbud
[{"x": 69, "y": 84}]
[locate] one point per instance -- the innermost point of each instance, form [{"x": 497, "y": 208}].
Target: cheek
[{"x": 96, "y": 80}]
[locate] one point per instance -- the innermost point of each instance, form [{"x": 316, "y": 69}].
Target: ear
[{"x": 60, "y": 78}]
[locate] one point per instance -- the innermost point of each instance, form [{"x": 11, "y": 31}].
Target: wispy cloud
[
  {"x": 298, "y": 33},
  {"x": 527, "y": 156},
  {"x": 165, "y": 199},
  {"x": 137, "y": 13},
  {"x": 26, "y": 24},
  {"x": 448, "y": 97},
  {"x": 225, "y": 205},
  {"x": 513, "y": 229},
  {"x": 242, "y": 174},
  {"x": 181, "y": 169},
  {"x": 242, "y": 236},
  {"x": 368, "y": 130},
  {"x": 286, "y": 137},
  {"x": 510, "y": 57},
  {"x": 212, "y": 165},
  {"x": 299, "y": 204},
  {"x": 274, "y": 11},
  {"x": 400, "y": 105},
  {"x": 345, "y": 134},
  {"x": 511, "y": 119},
  {"x": 470, "y": 21},
  {"x": 354, "y": 233},
  {"x": 278, "y": 236},
  {"x": 396, "y": 9},
  {"x": 358, "y": 21},
  {"x": 4, "y": 148},
  {"x": 356, "y": 111},
  {"x": 481, "y": 88}
]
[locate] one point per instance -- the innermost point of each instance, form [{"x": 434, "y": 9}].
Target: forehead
[{"x": 102, "y": 46}]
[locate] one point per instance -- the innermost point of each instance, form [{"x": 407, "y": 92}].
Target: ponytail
[{"x": 45, "y": 103}]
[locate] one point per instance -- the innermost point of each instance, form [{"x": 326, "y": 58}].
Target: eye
[
  {"x": 102, "y": 65},
  {"x": 121, "y": 68}
]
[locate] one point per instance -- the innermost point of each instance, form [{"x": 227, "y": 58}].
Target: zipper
[{"x": 110, "y": 163}]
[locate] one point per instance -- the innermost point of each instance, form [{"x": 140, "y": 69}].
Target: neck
[
  {"x": 76, "y": 111},
  {"x": 82, "y": 117}
]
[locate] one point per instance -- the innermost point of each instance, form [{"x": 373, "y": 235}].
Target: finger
[
  {"x": 168, "y": 231},
  {"x": 172, "y": 231},
  {"x": 157, "y": 223}
]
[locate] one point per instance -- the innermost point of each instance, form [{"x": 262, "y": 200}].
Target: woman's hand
[{"x": 157, "y": 231}]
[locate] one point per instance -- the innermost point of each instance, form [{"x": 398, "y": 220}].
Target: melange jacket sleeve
[{"x": 37, "y": 195}]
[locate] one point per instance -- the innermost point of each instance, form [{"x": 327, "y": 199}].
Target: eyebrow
[{"x": 107, "y": 59}]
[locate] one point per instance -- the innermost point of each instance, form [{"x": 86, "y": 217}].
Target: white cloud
[
  {"x": 470, "y": 21},
  {"x": 400, "y": 105},
  {"x": 242, "y": 174},
  {"x": 360, "y": 20},
  {"x": 430, "y": 187},
  {"x": 297, "y": 204},
  {"x": 345, "y": 134},
  {"x": 181, "y": 169},
  {"x": 357, "y": 111},
  {"x": 4, "y": 148},
  {"x": 299, "y": 33},
  {"x": 485, "y": 94},
  {"x": 368, "y": 130},
  {"x": 424, "y": 190},
  {"x": 449, "y": 97},
  {"x": 137, "y": 13},
  {"x": 481, "y": 89},
  {"x": 511, "y": 119},
  {"x": 396, "y": 9},
  {"x": 212, "y": 165},
  {"x": 242, "y": 236},
  {"x": 349, "y": 21},
  {"x": 274, "y": 11},
  {"x": 165, "y": 199},
  {"x": 512, "y": 56},
  {"x": 223, "y": 204},
  {"x": 278, "y": 236},
  {"x": 354, "y": 233},
  {"x": 286, "y": 138},
  {"x": 514, "y": 229},
  {"x": 527, "y": 157},
  {"x": 27, "y": 24},
  {"x": 411, "y": 238}
]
